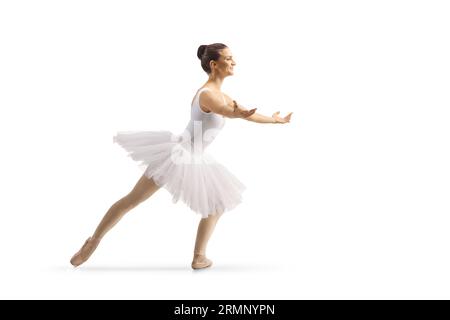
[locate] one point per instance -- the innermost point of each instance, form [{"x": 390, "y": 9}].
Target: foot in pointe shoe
[
  {"x": 85, "y": 252},
  {"x": 200, "y": 261}
]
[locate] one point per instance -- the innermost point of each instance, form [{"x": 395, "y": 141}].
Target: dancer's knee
[
  {"x": 130, "y": 201},
  {"x": 143, "y": 189}
]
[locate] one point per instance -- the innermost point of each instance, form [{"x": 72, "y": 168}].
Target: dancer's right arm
[{"x": 230, "y": 110}]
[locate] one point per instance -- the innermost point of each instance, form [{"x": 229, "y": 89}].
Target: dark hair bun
[{"x": 201, "y": 50}]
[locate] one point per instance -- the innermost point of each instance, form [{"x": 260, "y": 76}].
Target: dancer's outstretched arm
[
  {"x": 260, "y": 118},
  {"x": 235, "y": 110},
  {"x": 229, "y": 110}
]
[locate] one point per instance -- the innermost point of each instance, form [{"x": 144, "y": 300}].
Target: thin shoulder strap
[{"x": 224, "y": 101}]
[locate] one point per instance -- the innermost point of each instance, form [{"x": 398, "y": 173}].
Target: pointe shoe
[
  {"x": 85, "y": 252},
  {"x": 200, "y": 262}
]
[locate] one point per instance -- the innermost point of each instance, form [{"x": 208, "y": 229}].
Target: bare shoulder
[
  {"x": 210, "y": 100},
  {"x": 228, "y": 99}
]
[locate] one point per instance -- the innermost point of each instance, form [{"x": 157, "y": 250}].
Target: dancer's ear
[{"x": 212, "y": 64}]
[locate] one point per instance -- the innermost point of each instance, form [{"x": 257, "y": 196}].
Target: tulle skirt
[{"x": 194, "y": 176}]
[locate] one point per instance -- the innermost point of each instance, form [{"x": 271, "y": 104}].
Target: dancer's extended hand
[
  {"x": 281, "y": 120},
  {"x": 241, "y": 112}
]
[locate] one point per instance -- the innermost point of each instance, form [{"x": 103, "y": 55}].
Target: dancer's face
[{"x": 224, "y": 66}]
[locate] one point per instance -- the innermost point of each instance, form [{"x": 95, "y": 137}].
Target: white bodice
[{"x": 203, "y": 127}]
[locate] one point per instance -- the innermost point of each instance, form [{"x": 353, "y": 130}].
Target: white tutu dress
[{"x": 180, "y": 164}]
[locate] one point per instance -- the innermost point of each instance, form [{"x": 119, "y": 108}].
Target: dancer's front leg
[{"x": 205, "y": 229}]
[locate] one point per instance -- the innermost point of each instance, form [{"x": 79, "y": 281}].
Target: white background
[{"x": 348, "y": 201}]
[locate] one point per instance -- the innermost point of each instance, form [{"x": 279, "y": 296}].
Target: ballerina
[{"x": 180, "y": 163}]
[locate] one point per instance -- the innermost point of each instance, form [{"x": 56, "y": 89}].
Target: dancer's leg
[
  {"x": 204, "y": 232},
  {"x": 143, "y": 189}
]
